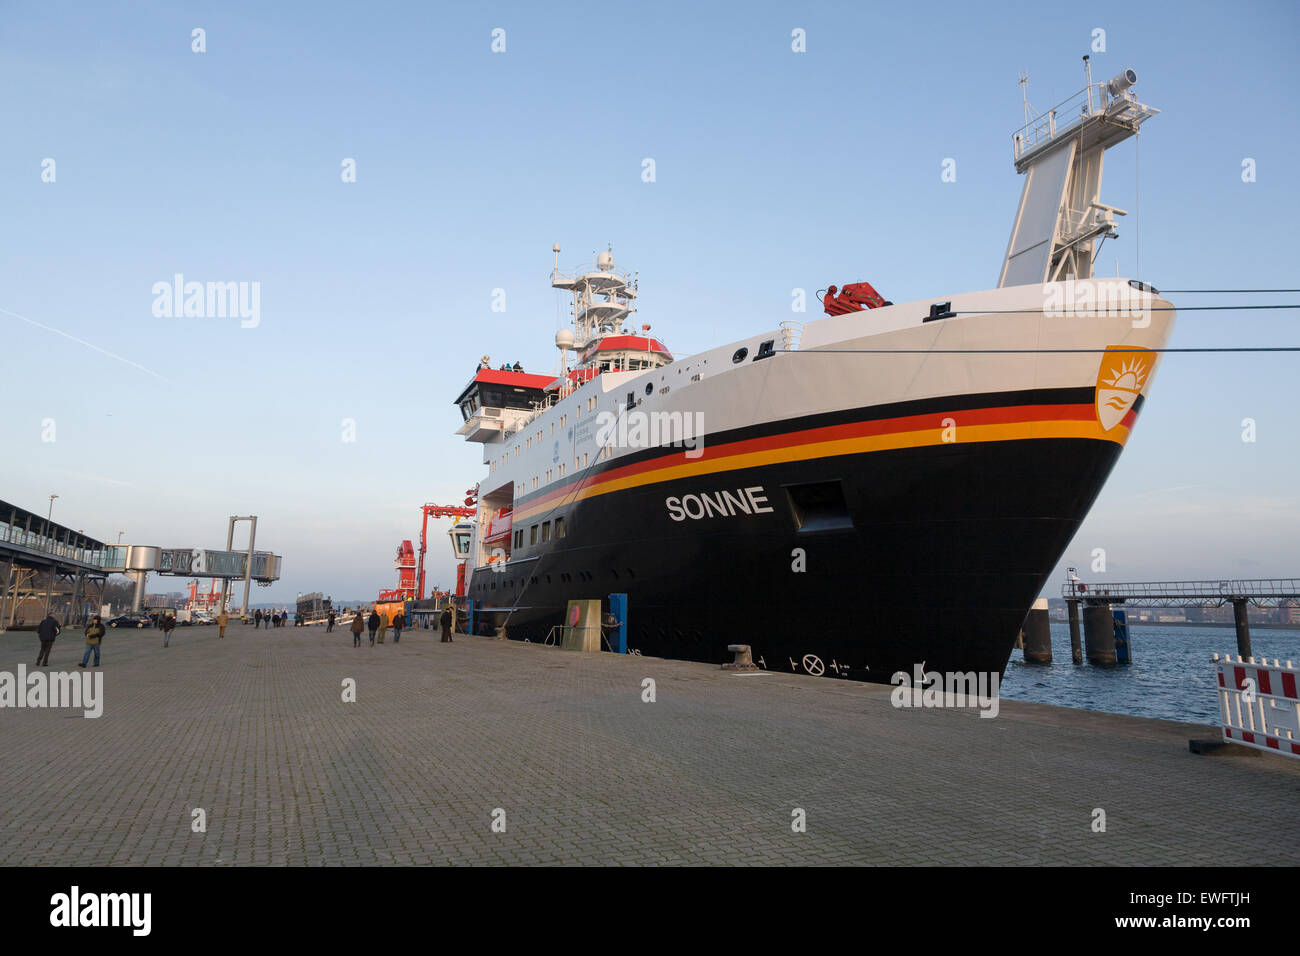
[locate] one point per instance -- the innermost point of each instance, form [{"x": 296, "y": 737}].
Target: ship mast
[
  {"x": 603, "y": 298},
  {"x": 1060, "y": 152}
]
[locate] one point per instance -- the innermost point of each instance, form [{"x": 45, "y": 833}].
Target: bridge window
[
  {"x": 532, "y": 535},
  {"x": 559, "y": 527},
  {"x": 546, "y": 531}
]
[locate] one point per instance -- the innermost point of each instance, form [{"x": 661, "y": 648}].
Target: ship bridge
[{"x": 497, "y": 400}]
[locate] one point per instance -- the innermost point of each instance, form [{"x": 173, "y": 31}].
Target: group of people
[
  {"x": 378, "y": 624},
  {"x": 505, "y": 366},
  {"x": 272, "y": 618},
  {"x": 49, "y": 629},
  {"x": 95, "y": 632}
]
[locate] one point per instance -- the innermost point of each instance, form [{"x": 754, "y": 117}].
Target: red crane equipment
[
  {"x": 468, "y": 510},
  {"x": 855, "y": 297}
]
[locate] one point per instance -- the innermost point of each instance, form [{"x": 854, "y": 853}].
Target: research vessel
[{"x": 887, "y": 485}]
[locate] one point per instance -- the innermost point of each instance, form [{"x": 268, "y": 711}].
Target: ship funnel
[{"x": 1121, "y": 83}]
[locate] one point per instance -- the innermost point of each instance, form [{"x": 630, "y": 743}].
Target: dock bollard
[
  {"x": 744, "y": 659},
  {"x": 1038, "y": 634},
  {"x": 1099, "y": 634},
  {"x": 1076, "y": 652}
]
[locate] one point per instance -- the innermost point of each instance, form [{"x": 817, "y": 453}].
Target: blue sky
[{"x": 774, "y": 170}]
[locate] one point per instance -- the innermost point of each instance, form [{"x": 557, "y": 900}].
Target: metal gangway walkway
[
  {"x": 32, "y": 547},
  {"x": 1261, "y": 592}
]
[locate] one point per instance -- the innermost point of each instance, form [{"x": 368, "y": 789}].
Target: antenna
[
  {"x": 1087, "y": 79},
  {"x": 1024, "y": 93}
]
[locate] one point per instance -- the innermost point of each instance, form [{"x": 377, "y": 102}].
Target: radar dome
[
  {"x": 605, "y": 261},
  {"x": 564, "y": 339}
]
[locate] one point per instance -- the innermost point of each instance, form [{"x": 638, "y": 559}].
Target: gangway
[
  {"x": 32, "y": 546},
  {"x": 1261, "y": 592}
]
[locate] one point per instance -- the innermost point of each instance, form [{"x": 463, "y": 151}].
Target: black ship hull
[{"x": 856, "y": 565}]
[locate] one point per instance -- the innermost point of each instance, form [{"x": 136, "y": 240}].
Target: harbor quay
[{"x": 293, "y": 747}]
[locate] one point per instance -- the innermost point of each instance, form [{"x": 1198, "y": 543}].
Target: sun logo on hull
[{"x": 1123, "y": 374}]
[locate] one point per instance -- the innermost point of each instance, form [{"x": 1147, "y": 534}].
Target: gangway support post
[
  {"x": 1076, "y": 650},
  {"x": 248, "y": 568},
  {"x": 137, "y": 597},
  {"x": 230, "y": 544},
  {"x": 1099, "y": 633},
  {"x": 1242, "y": 620},
  {"x": 1038, "y": 634},
  {"x": 49, "y": 593}
]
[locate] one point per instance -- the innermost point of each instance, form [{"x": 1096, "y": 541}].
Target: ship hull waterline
[{"x": 926, "y": 555}]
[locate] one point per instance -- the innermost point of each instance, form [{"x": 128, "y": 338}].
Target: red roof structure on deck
[
  {"x": 635, "y": 342},
  {"x": 494, "y": 376}
]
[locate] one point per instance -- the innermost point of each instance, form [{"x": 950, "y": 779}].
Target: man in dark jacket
[
  {"x": 47, "y": 631},
  {"x": 329, "y": 623},
  {"x": 94, "y": 634},
  {"x": 445, "y": 621},
  {"x": 357, "y": 627},
  {"x": 257, "y": 619},
  {"x": 373, "y": 623},
  {"x": 399, "y": 622},
  {"x": 168, "y": 624}
]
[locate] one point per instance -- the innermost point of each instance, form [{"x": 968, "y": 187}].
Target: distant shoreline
[{"x": 1254, "y": 625}]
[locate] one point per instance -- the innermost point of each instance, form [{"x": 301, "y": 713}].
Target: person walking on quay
[
  {"x": 168, "y": 624},
  {"x": 94, "y": 634},
  {"x": 47, "y": 631},
  {"x": 222, "y": 620},
  {"x": 357, "y": 627},
  {"x": 329, "y": 623},
  {"x": 445, "y": 621},
  {"x": 383, "y": 626},
  {"x": 372, "y": 622},
  {"x": 257, "y": 619},
  {"x": 399, "y": 622}
]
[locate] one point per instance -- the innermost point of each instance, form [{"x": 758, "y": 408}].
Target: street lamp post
[{"x": 119, "y": 536}]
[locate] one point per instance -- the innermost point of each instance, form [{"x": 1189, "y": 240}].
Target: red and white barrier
[{"x": 1258, "y": 703}]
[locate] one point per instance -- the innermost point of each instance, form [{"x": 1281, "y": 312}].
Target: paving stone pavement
[{"x": 253, "y": 729}]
